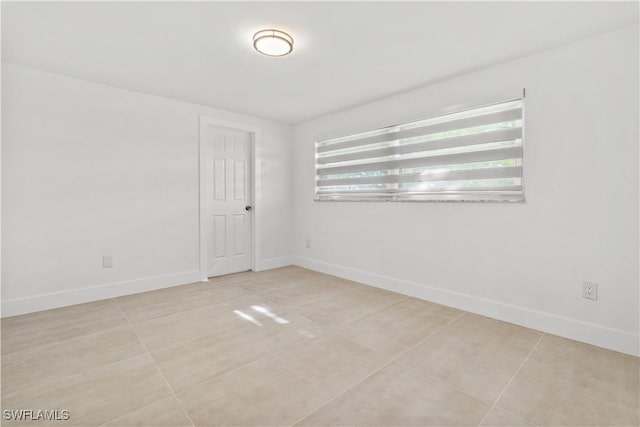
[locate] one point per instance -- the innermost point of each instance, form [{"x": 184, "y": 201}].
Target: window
[{"x": 473, "y": 155}]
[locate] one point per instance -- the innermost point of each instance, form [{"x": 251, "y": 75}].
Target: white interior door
[{"x": 228, "y": 210}]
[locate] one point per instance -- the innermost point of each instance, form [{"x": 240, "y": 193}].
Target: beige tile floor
[{"x": 294, "y": 347}]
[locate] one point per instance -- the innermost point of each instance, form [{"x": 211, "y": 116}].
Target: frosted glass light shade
[{"x": 273, "y": 42}]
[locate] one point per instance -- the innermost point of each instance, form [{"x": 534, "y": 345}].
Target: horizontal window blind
[{"x": 473, "y": 155}]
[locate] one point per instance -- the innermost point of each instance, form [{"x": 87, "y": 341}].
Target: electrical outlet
[
  {"x": 107, "y": 261},
  {"x": 590, "y": 290},
  {"x": 307, "y": 242}
]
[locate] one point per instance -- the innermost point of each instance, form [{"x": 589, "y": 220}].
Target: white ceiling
[{"x": 345, "y": 53}]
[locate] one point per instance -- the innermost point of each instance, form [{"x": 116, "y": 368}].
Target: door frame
[{"x": 254, "y": 135}]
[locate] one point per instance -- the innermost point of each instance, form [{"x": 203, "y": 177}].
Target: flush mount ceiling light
[{"x": 273, "y": 42}]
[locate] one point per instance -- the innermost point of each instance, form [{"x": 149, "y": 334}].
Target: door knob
[{"x": 247, "y": 208}]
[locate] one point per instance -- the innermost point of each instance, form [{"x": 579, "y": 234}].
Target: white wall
[
  {"x": 89, "y": 169},
  {"x": 523, "y": 263}
]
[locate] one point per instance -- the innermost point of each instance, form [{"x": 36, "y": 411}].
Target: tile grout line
[
  {"x": 286, "y": 308},
  {"x": 175, "y": 396},
  {"x": 448, "y": 384},
  {"x": 332, "y": 329},
  {"x": 325, "y": 330},
  {"x": 261, "y": 294},
  {"x": 377, "y": 370},
  {"x": 186, "y": 310},
  {"x": 134, "y": 411},
  {"x": 335, "y": 327},
  {"x": 259, "y": 358},
  {"x": 234, "y": 283},
  {"x": 513, "y": 377},
  {"x": 312, "y": 300},
  {"x": 73, "y": 337}
]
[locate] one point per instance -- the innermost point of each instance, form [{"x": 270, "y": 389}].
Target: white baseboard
[
  {"x": 622, "y": 341},
  {"x": 13, "y": 307},
  {"x": 278, "y": 262},
  {"x": 47, "y": 301}
]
